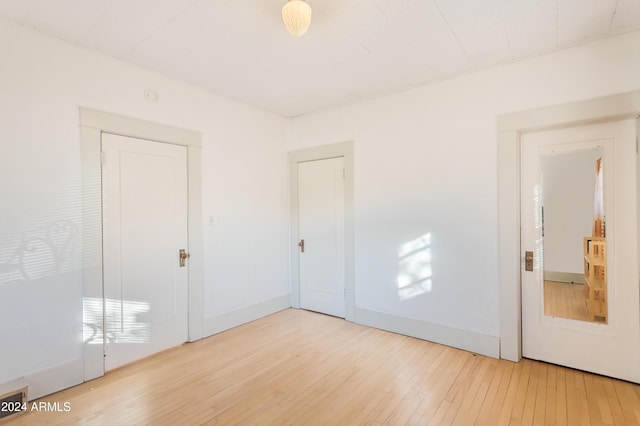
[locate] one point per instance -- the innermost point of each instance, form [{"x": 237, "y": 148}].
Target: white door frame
[
  {"x": 343, "y": 149},
  {"x": 510, "y": 127},
  {"x": 92, "y": 125}
]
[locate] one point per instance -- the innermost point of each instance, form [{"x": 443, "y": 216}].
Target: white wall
[
  {"x": 425, "y": 162},
  {"x": 244, "y": 183},
  {"x": 569, "y": 181}
]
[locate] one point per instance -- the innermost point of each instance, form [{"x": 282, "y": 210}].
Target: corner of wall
[{"x": 238, "y": 317}]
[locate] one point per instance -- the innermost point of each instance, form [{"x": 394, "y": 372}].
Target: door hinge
[{"x": 101, "y": 157}]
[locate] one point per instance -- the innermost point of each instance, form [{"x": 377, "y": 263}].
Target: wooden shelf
[{"x": 595, "y": 277}]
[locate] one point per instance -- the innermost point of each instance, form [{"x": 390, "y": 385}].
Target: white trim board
[
  {"x": 238, "y": 317},
  {"x": 345, "y": 150},
  {"x": 510, "y": 258},
  {"x": 92, "y": 125},
  {"x": 462, "y": 339}
]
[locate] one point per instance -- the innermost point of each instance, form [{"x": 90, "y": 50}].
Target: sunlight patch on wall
[
  {"x": 122, "y": 321},
  {"x": 414, "y": 268},
  {"x": 92, "y": 321}
]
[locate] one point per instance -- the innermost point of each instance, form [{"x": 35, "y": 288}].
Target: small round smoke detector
[{"x": 150, "y": 96}]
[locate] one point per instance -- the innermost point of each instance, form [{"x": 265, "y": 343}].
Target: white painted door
[
  {"x": 611, "y": 345},
  {"x": 144, "y": 187},
  {"x": 321, "y": 227}
]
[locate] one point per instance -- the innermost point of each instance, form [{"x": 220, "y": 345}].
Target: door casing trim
[
  {"x": 510, "y": 128},
  {"x": 92, "y": 124},
  {"x": 345, "y": 150}
]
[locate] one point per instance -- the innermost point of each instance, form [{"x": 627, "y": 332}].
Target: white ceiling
[{"x": 354, "y": 50}]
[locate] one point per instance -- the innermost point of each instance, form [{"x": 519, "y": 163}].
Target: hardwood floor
[
  {"x": 297, "y": 367},
  {"x": 565, "y": 301}
]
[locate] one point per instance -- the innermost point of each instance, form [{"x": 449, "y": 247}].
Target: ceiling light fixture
[{"x": 296, "y": 15}]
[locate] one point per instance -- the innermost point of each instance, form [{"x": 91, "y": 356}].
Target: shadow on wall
[
  {"x": 52, "y": 250},
  {"x": 414, "y": 268},
  {"x": 44, "y": 252}
]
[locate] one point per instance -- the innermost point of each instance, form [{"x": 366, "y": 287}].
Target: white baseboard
[
  {"x": 54, "y": 379},
  {"x": 564, "y": 277},
  {"x": 462, "y": 339},
  {"x": 241, "y": 316},
  {"x": 70, "y": 374}
]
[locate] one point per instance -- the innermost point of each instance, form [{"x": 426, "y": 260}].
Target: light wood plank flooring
[
  {"x": 565, "y": 300},
  {"x": 297, "y": 367}
]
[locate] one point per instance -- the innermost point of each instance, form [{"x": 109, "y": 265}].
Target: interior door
[
  {"x": 144, "y": 227},
  {"x": 321, "y": 232},
  {"x": 607, "y": 340}
]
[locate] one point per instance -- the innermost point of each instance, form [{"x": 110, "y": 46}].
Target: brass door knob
[
  {"x": 183, "y": 257},
  {"x": 528, "y": 261}
]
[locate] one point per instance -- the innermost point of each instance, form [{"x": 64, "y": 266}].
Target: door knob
[
  {"x": 528, "y": 261},
  {"x": 301, "y": 245},
  {"x": 183, "y": 257}
]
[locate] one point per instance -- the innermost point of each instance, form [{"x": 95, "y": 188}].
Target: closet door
[
  {"x": 144, "y": 228},
  {"x": 607, "y": 343},
  {"x": 321, "y": 230}
]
